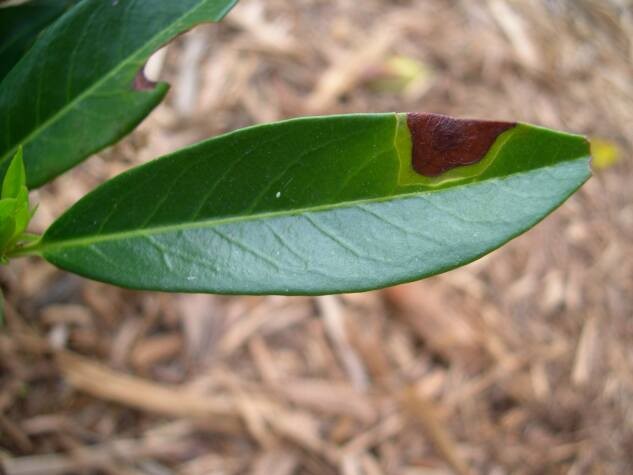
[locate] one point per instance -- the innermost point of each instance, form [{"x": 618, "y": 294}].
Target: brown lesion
[
  {"x": 441, "y": 143},
  {"x": 142, "y": 83}
]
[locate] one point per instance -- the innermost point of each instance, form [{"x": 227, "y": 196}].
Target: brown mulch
[{"x": 520, "y": 363}]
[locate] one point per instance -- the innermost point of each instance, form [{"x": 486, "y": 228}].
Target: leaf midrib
[
  {"x": 70, "y": 105},
  {"x": 44, "y": 247}
]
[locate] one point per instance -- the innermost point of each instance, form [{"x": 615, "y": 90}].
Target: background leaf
[
  {"x": 77, "y": 90},
  {"x": 313, "y": 205},
  {"x": 20, "y": 25}
]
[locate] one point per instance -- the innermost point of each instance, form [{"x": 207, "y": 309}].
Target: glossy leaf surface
[
  {"x": 312, "y": 205},
  {"x": 78, "y": 89},
  {"x": 20, "y": 25}
]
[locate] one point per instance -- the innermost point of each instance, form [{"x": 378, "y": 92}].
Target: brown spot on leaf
[
  {"x": 141, "y": 83},
  {"x": 441, "y": 143}
]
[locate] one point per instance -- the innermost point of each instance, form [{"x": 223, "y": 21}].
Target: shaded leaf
[
  {"x": 20, "y": 25},
  {"x": 318, "y": 205},
  {"x": 78, "y": 89}
]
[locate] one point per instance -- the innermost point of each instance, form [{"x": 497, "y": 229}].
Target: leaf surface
[
  {"x": 78, "y": 89},
  {"x": 20, "y": 25},
  {"x": 317, "y": 205}
]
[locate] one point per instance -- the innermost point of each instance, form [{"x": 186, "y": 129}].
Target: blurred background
[{"x": 520, "y": 363}]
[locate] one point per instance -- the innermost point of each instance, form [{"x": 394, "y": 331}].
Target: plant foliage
[
  {"x": 314, "y": 205},
  {"x": 306, "y": 206},
  {"x": 80, "y": 87}
]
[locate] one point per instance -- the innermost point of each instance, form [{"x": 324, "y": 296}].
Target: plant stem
[
  {"x": 30, "y": 238},
  {"x": 25, "y": 251}
]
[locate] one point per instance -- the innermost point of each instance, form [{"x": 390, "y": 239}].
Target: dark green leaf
[
  {"x": 78, "y": 89},
  {"x": 317, "y": 205},
  {"x": 20, "y": 25}
]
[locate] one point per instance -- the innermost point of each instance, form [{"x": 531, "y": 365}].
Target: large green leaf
[
  {"x": 20, "y": 25},
  {"x": 318, "y": 205},
  {"x": 78, "y": 89}
]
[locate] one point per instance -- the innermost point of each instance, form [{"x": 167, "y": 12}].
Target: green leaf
[
  {"x": 15, "y": 178},
  {"x": 20, "y": 25},
  {"x": 8, "y": 207},
  {"x": 15, "y": 212},
  {"x": 80, "y": 89},
  {"x": 22, "y": 215},
  {"x": 318, "y": 205},
  {"x": 14, "y": 219},
  {"x": 7, "y": 223}
]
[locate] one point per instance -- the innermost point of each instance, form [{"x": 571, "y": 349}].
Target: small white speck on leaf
[{"x": 278, "y": 195}]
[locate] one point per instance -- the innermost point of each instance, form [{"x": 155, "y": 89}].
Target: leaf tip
[{"x": 15, "y": 177}]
